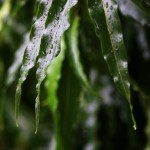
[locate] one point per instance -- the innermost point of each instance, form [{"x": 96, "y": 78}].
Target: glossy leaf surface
[
  {"x": 17, "y": 61},
  {"x": 67, "y": 114},
  {"x": 56, "y": 24},
  {"x": 52, "y": 79},
  {"x": 74, "y": 53},
  {"x": 105, "y": 17},
  {"x": 32, "y": 49}
]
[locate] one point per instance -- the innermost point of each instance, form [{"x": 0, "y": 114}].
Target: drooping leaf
[
  {"x": 56, "y": 24},
  {"x": 134, "y": 10},
  {"x": 107, "y": 23},
  {"x": 67, "y": 116},
  {"x": 17, "y": 61},
  {"x": 32, "y": 49},
  {"x": 52, "y": 79},
  {"x": 74, "y": 54}
]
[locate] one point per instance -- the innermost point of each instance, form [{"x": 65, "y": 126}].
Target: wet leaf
[
  {"x": 11, "y": 76},
  {"x": 67, "y": 115},
  {"x": 74, "y": 53},
  {"x": 32, "y": 49},
  {"x": 56, "y": 24},
  {"x": 107, "y": 23},
  {"x": 53, "y": 77}
]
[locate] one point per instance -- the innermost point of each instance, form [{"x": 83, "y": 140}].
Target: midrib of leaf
[{"x": 114, "y": 52}]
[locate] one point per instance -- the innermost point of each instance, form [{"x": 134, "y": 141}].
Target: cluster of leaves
[
  {"x": 50, "y": 23},
  {"x": 77, "y": 83}
]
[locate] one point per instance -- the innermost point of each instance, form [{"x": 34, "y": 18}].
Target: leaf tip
[
  {"x": 135, "y": 127},
  {"x": 36, "y": 131},
  {"x": 37, "y": 111},
  {"x": 17, "y": 124},
  {"x": 17, "y": 103}
]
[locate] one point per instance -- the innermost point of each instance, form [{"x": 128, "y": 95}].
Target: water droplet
[
  {"x": 90, "y": 121},
  {"x": 134, "y": 127},
  {"x": 105, "y": 57},
  {"x": 50, "y": 52},
  {"x": 109, "y": 17},
  {"x": 116, "y": 78},
  {"x": 128, "y": 84},
  {"x": 124, "y": 64},
  {"x": 106, "y": 4},
  {"x": 111, "y": 7},
  {"x": 51, "y": 46}
]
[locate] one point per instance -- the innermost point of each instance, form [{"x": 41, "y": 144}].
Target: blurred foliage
[{"x": 81, "y": 108}]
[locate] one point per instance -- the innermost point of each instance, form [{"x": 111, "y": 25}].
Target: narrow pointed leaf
[
  {"x": 74, "y": 54},
  {"x": 32, "y": 49},
  {"x": 17, "y": 61},
  {"x": 56, "y": 24},
  {"x": 67, "y": 115},
  {"x": 52, "y": 79},
  {"x": 104, "y": 14}
]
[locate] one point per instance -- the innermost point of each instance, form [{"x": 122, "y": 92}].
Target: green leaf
[
  {"x": 107, "y": 23},
  {"x": 135, "y": 10},
  {"x": 67, "y": 115},
  {"x": 56, "y": 24},
  {"x": 12, "y": 71},
  {"x": 32, "y": 49},
  {"x": 74, "y": 54},
  {"x": 52, "y": 79}
]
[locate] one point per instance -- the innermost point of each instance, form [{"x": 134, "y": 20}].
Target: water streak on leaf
[
  {"x": 32, "y": 49},
  {"x": 53, "y": 76},
  {"x": 56, "y": 24},
  {"x": 17, "y": 61}
]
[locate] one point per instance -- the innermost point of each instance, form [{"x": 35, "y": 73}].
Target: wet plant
[{"x": 77, "y": 60}]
